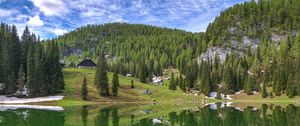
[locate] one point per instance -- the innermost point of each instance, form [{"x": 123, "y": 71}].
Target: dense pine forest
[
  {"x": 261, "y": 42},
  {"x": 28, "y": 68}
]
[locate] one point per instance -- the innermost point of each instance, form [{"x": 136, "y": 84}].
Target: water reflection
[
  {"x": 226, "y": 116},
  {"x": 84, "y": 115},
  {"x": 217, "y": 115},
  {"x": 31, "y": 117}
]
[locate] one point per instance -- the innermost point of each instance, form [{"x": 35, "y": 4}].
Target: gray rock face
[
  {"x": 236, "y": 47},
  {"x": 240, "y": 47},
  {"x": 249, "y": 42},
  {"x": 69, "y": 51},
  {"x": 212, "y": 51},
  {"x": 277, "y": 37}
]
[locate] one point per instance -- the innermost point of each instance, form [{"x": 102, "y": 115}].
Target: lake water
[{"x": 151, "y": 115}]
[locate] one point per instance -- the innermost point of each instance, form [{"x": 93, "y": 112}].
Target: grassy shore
[{"x": 160, "y": 93}]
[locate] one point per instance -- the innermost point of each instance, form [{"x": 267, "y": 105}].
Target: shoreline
[{"x": 14, "y": 100}]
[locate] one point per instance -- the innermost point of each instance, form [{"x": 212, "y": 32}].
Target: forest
[
  {"x": 144, "y": 50},
  {"x": 27, "y": 67}
]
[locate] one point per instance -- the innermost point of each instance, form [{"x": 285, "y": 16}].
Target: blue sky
[{"x": 51, "y": 18}]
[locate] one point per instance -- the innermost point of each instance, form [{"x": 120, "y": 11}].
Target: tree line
[{"x": 27, "y": 65}]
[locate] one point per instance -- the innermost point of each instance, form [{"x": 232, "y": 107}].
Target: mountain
[
  {"x": 249, "y": 47},
  {"x": 131, "y": 45},
  {"x": 249, "y": 24}
]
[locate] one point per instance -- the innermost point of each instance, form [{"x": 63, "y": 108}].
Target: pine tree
[
  {"x": 132, "y": 84},
  {"x": 20, "y": 81},
  {"x": 206, "y": 90},
  {"x": 101, "y": 79},
  {"x": 172, "y": 83},
  {"x": 277, "y": 89},
  {"x": 115, "y": 83},
  {"x": 218, "y": 95},
  {"x": 248, "y": 89},
  {"x": 84, "y": 91},
  {"x": 30, "y": 76},
  {"x": 143, "y": 73},
  {"x": 184, "y": 86},
  {"x": 264, "y": 92},
  {"x": 290, "y": 89}
]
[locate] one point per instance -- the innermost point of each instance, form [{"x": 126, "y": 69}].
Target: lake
[{"x": 149, "y": 115}]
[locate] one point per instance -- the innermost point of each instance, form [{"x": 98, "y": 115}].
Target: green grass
[
  {"x": 73, "y": 80},
  {"x": 74, "y": 76}
]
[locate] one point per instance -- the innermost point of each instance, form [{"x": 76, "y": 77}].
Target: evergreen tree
[
  {"x": 21, "y": 77},
  {"x": 264, "y": 92},
  {"x": 218, "y": 95},
  {"x": 172, "y": 83},
  {"x": 30, "y": 76},
  {"x": 277, "y": 89},
  {"x": 132, "y": 84},
  {"x": 248, "y": 89},
  {"x": 101, "y": 79},
  {"x": 84, "y": 91},
  {"x": 290, "y": 89},
  {"x": 184, "y": 86},
  {"x": 206, "y": 90},
  {"x": 143, "y": 73},
  {"x": 115, "y": 83}
]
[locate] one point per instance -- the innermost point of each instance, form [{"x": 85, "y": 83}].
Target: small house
[{"x": 87, "y": 63}]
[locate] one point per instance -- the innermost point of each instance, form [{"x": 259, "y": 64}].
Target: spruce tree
[
  {"x": 206, "y": 90},
  {"x": 248, "y": 88},
  {"x": 30, "y": 76},
  {"x": 218, "y": 95},
  {"x": 84, "y": 91},
  {"x": 264, "y": 92},
  {"x": 143, "y": 73},
  {"x": 132, "y": 84},
  {"x": 277, "y": 89},
  {"x": 101, "y": 79},
  {"x": 20, "y": 81},
  {"x": 172, "y": 83},
  {"x": 290, "y": 89},
  {"x": 184, "y": 86},
  {"x": 115, "y": 83}
]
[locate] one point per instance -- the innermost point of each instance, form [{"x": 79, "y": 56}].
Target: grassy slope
[
  {"x": 74, "y": 76},
  {"x": 73, "y": 80}
]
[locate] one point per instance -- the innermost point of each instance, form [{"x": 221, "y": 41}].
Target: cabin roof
[{"x": 87, "y": 62}]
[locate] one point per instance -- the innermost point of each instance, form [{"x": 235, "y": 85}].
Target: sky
[{"x": 51, "y": 18}]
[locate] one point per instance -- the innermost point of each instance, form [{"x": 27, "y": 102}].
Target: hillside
[
  {"x": 74, "y": 78},
  {"x": 131, "y": 44},
  {"x": 252, "y": 23},
  {"x": 251, "y": 46}
]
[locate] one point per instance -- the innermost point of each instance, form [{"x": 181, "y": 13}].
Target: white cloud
[
  {"x": 93, "y": 12},
  {"x": 35, "y": 21},
  {"x": 51, "y": 7},
  {"x": 6, "y": 13},
  {"x": 58, "y": 31}
]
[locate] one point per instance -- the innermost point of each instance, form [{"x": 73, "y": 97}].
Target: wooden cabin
[{"x": 87, "y": 63}]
